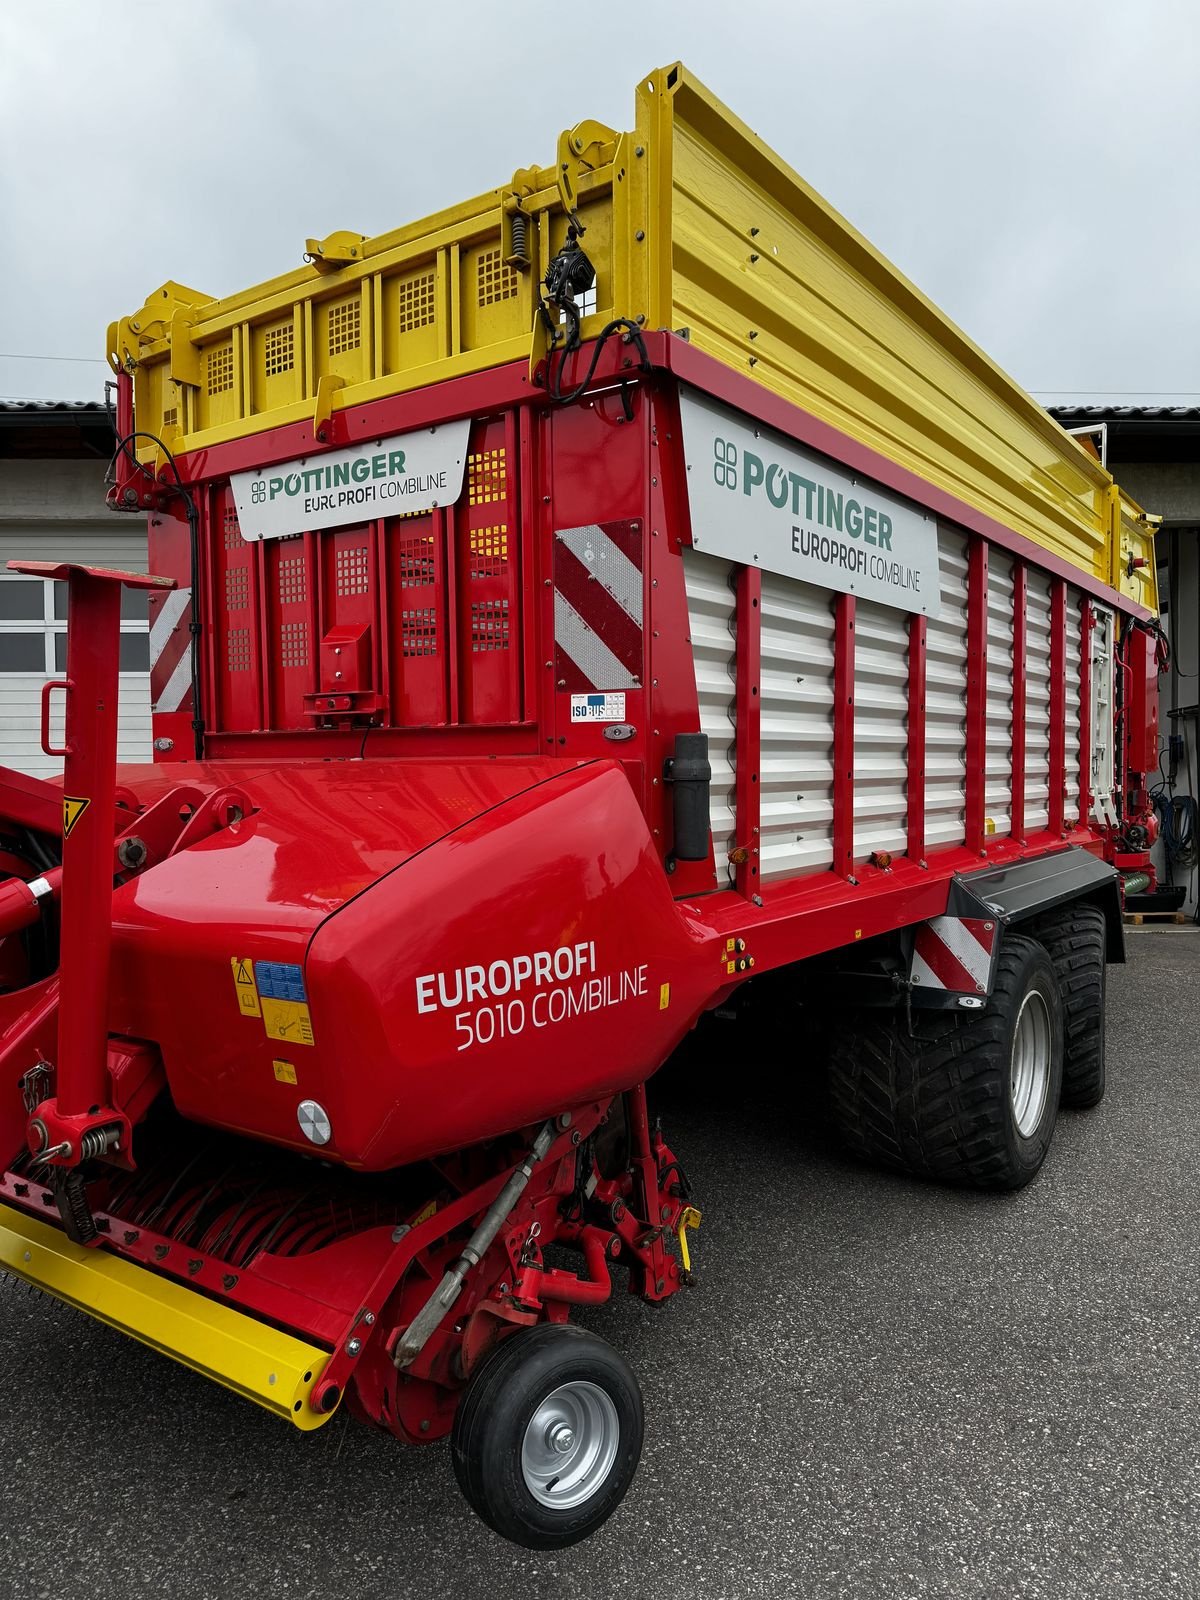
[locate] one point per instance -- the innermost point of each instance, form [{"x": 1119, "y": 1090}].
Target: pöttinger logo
[
  {"x": 725, "y": 465},
  {"x": 258, "y": 491}
]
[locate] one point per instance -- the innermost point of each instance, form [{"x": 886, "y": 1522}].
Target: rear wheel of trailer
[
  {"x": 1074, "y": 937},
  {"x": 965, "y": 1098}
]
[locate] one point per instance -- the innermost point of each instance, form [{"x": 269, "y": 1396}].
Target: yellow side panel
[
  {"x": 769, "y": 278},
  {"x": 693, "y": 225},
  {"x": 271, "y": 1368}
]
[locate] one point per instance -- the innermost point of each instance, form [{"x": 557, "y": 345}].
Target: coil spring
[
  {"x": 97, "y": 1140},
  {"x": 74, "y": 1209},
  {"x": 520, "y": 235}
]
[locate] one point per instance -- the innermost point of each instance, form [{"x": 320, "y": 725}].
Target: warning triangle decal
[{"x": 72, "y": 811}]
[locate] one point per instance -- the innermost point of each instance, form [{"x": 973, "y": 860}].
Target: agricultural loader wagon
[{"x": 566, "y": 610}]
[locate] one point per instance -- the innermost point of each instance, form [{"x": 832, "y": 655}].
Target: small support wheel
[{"x": 548, "y": 1436}]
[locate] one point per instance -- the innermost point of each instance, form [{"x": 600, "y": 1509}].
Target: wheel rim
[
  {"x": 570, "y": 1445},
  {"x": 1030, "y": 1063}
]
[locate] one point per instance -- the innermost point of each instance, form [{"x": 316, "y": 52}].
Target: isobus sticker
[{"x": 597, "y": 708}]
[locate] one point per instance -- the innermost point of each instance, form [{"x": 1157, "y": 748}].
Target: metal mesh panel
[
  {"x": 494, "y": 278},
  {"x": 279, "y": 346},
  {"x": 345, "y": 326},
  {"x": 237, "y": 589},
  {"x": 293, "y": 580},
  {"x": 220, "y": 369},
  {"x": 237, "y": 650},
  {"x": 416, "y": 303},
  {"x": 352, "y": 570}
]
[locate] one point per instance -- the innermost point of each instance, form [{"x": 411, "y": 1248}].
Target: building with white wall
[{"x": 53, "y": 458}]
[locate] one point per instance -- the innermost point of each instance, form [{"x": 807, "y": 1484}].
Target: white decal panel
[
  {"x": 760, "y": 499},
  {"x": 382, "y": 478}
]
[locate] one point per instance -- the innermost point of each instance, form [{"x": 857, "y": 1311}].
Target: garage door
[{"x": 33, "y": 642}]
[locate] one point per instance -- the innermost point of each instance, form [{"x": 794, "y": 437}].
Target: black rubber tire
[
  {"x": 1075, "y": 939},
  {"x": 938, "y": 1103},
  {"x": 490, "y": 1424}
]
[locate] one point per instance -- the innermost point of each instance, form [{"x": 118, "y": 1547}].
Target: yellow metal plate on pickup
[{"x": 274, "y": 1369}]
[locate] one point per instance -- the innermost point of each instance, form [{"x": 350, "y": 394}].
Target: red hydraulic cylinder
[{"x": 20, "y": 902}]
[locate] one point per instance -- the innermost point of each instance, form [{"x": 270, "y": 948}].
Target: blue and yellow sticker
[{"x": 284, "y": 1001}]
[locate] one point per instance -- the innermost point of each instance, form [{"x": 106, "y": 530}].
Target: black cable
[{"x": 554, "y": 384}]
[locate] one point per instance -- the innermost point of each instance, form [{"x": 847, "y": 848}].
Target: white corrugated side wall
[
  {"x": 120, "y": 545},
  {"x": 1074, "y": 668},
  {"x": 880, "y": 729},
  {"x": 796, "y": 768},
  {"x": 796, "y": 764},
  {"x": 946, "y": 698},
  {"x": 1037, "y": 702},
  {"x": 711, "y": 611},
  {"x": 997, "y": 798}
]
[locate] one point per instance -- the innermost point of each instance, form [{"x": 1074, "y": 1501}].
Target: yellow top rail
[{"x": 693, "y": 224}]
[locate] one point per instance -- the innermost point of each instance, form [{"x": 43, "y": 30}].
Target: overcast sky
[{"x": 1032, "y": 166}]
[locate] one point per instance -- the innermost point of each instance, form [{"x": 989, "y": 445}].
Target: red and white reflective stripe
[
  {"x": 598, "y": 603},
  {"x": 171, "y": 653},
  {"x": 953, "y": 953}
]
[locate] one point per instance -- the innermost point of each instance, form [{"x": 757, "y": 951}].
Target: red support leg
[
  {"x": 82, "y": 1098},
  {"x": 89, "y": 796}
]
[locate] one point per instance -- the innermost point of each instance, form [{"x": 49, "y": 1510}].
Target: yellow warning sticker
[
  {"x": 285, "y": 1072},
  {"x": 287, "y": 1020},
  {"x": 426, "y": 1211},
  {"x": 73, "y": 809},
  {"x": 245, "y": 987},
  {"x": 664, "y": 996}
]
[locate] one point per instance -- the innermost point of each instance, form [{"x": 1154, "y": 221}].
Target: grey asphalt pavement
[{"x": 878, "y": 1389}]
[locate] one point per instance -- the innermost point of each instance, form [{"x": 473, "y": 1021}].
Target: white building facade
[{"x": 52, "y": 465}]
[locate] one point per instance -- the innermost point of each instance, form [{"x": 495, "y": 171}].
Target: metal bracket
[
  {"x": 327, "y": 386},
  {"x": 335, "y": 251},
  {"x": 579, "y": 151}
]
